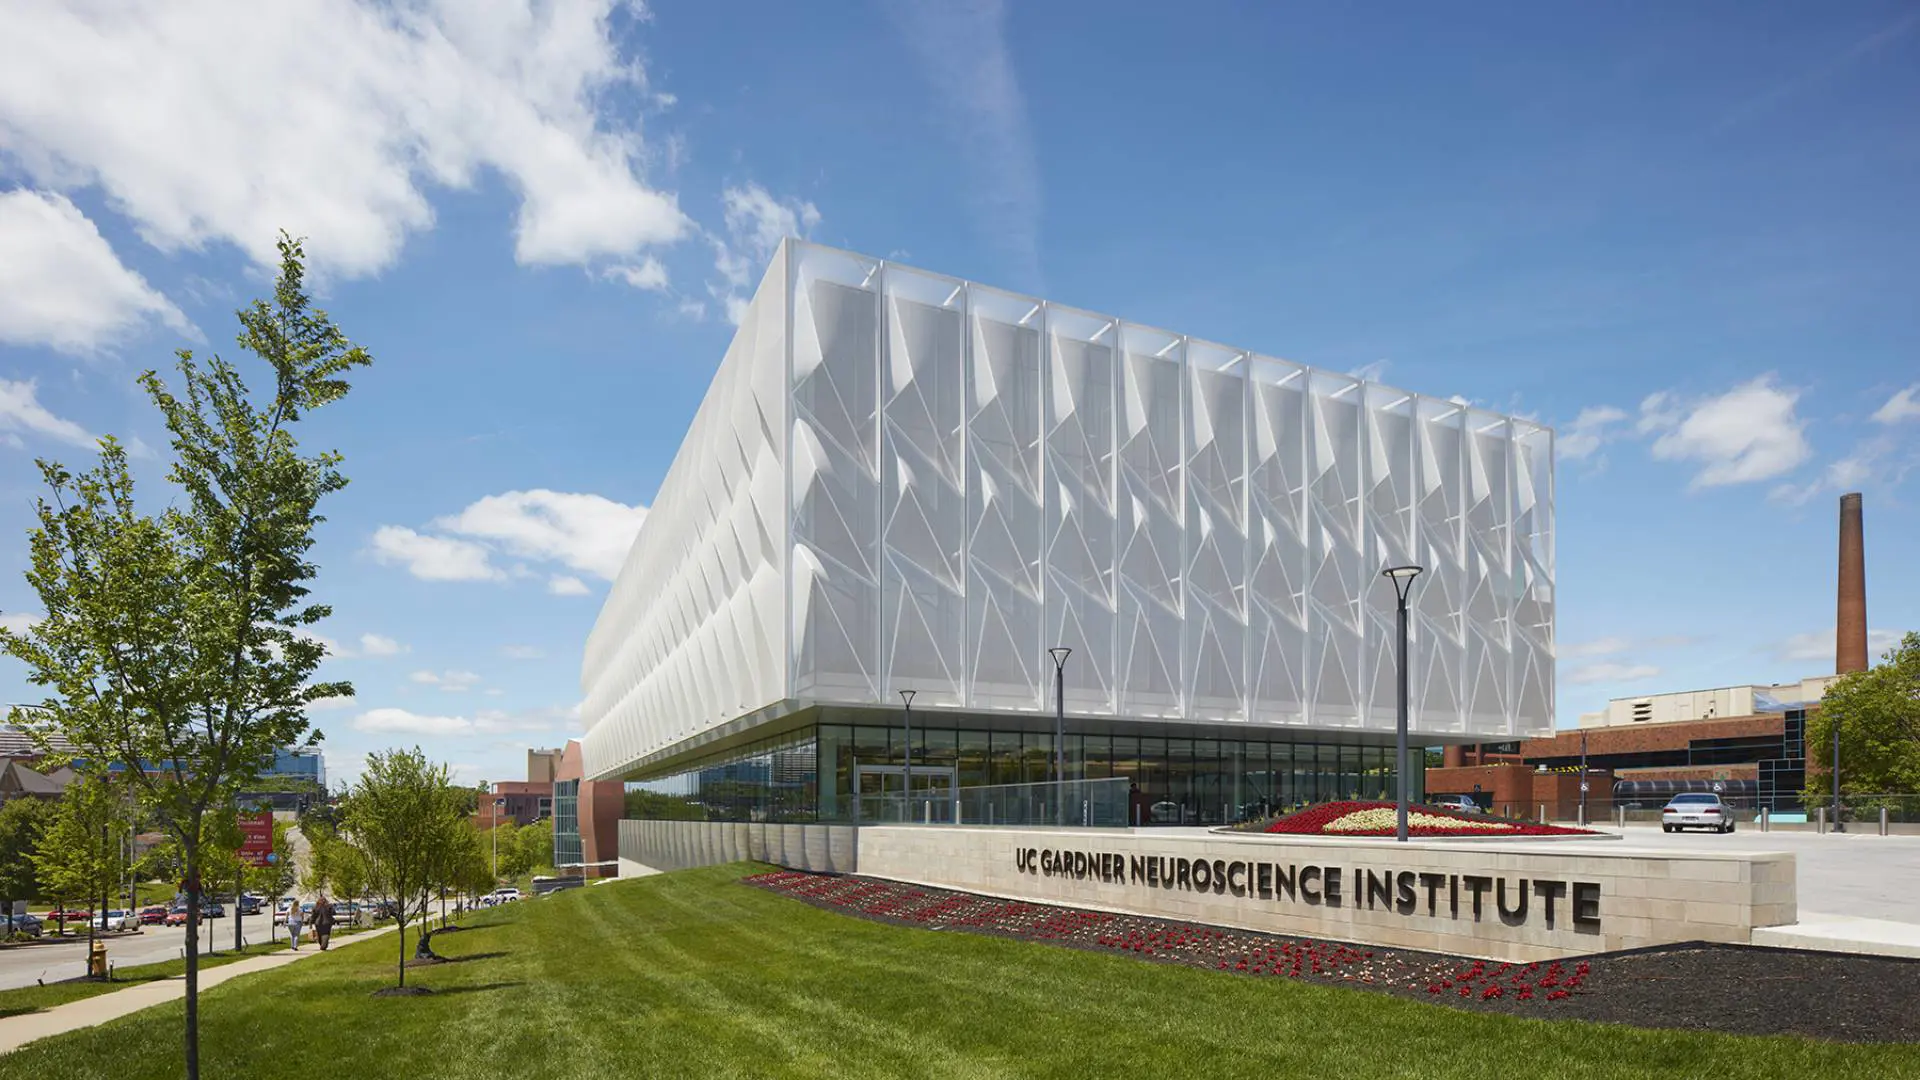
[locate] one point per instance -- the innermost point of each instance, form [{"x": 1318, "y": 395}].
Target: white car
[
  {"x": 1459, "y": 803},
  {"x": 117, "y": 920},
  {"x": 1696, "y": 810}
]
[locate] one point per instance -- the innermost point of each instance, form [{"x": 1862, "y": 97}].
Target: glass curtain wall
[
  {"x": 812, "y": 774},
  {"x": 566, "y": 824}
]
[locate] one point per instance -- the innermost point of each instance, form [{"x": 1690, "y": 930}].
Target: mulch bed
[{"x": 1725, "y": 988}]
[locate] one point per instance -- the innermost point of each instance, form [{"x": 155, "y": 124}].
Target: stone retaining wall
[{"x": 1418, "y": 895}]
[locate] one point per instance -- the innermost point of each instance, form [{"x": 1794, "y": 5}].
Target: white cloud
[
  {"x": 1748, "y": 433},
  {"x": 61, "y": 285},
  {"x": 20, "y": 621},
  {"x": 207, "y": 121},
  {"x": 453, "y": 681},
  {"x": 1588, "y": 432},
  {"x": 1612, "y": 673},
  {"x": 964, "y": 55},
  {"x": 391, "y": 721},
  {"x": 566, "y": 585},
  {"x": 1901, "y": 406},
  {"x": 1614, "y": 646},
  {"x": 380, "y": 645},
  {"x": 21, "y": 411},
  {"x": 756, "y": 222},
  {"x": 649, "y": 274},
  {"x": 579, "y": 531},
  {"x": 432, "y": 558},
  {"x": 1873, "y": 460},
  {"x": 332, "y": 704},
  {"x": 522, "y": 652},
  {"x": 1819, "y": 645}
]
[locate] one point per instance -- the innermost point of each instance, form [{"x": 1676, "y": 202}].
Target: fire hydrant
[{"x": 97, "y": 961}]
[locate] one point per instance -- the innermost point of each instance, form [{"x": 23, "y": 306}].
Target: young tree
[
  {"x": 1877, "y": 712},
  {"x": 536, "y": 846},
  {"x": 400, "y": 816},
  {"x": 21, "y": 823},
  {"x": 79, "y": 854},
  {"x": 176, "y": 642},
  {"x": 515, "y": 860}
]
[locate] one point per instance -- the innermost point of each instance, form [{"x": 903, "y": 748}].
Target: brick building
[{"x": 1747, "y": 743}]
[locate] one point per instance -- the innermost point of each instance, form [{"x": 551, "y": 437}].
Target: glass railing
[{"x": 1073, "y": 803}]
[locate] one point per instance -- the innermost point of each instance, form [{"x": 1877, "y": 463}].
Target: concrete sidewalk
[
  {"x": 1843, "y": 933},
  {"x": 17, "y": 1031}
]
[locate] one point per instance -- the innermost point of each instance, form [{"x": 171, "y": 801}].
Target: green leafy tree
[
  {"x": 536, "y": 846},
  {"x": 1877, "y": 712},
  {"x": 654, "y": 806},
  {"x": 176, "y": 642},
  {"x": 401, "y": 816},
  {"x": 21, "y": 823},
  {"x": 79, "y": 856},
  {"x": 515, "y": 861}
]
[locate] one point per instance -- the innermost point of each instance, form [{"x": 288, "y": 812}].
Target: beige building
[
  {"x": 541, "y": 766},
  {"x": 1720, "y": 703}
]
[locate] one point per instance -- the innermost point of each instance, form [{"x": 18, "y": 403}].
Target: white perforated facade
[{"x": 901, "y": 480}]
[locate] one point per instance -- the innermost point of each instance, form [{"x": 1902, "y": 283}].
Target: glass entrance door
[{"x": 880, "y": 794}]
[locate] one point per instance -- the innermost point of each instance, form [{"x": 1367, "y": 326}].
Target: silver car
[
  {"x": 1460, "y": 803},
  {"x": 1696, "y": 810}
]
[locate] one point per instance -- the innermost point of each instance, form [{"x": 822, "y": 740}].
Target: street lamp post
[
  {"x": 1060, "y": 654},
  {"x": 497, "y": 804},
  {"x": 1583, "y": 778},
  {"x": 1402, "y": 577},
  {"x": 1837, "y": 825},
  {"x": 906, "y": 774}
]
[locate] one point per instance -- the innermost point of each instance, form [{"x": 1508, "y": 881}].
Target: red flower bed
[
  {"x": 1182, "y": 943},
  {"x": 1377, "y": 819}
]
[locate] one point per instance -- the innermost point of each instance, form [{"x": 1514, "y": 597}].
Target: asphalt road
[{"x": 26, "y": 965}]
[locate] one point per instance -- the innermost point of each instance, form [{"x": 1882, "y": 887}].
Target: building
[
  {"x": 522, "y": 801},
  {"x": 1745, "y": 742},
  {"x": 299, "y": 764},
  {"x": 586, "y": 818},
  {"x": 542, "y": 765},
  {"x": 899, "y": 481}
]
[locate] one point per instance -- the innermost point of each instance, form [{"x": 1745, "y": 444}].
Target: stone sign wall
[{"x": 1501, "y": 900}]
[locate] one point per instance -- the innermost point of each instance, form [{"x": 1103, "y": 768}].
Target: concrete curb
[{"x": 17, "y": 1031}]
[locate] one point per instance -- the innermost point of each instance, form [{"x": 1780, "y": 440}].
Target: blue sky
[{"x": 1685, "y": 236}]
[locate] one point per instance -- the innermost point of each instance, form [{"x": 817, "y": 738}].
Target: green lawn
[
  {"x": 693, "y": 975},
  {"x": 28, "y": 999}
]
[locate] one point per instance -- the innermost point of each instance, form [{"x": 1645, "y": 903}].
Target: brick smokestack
[{"x": 1850, "y": 628}]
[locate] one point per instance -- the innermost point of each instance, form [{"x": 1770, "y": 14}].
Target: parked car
[
  {"x": 213, "y": 909},
  {"x": 1463, "y": 804},
  {"x": 249, "y": 905},
  {"x": 117, "y": 920},
  {"x": 71, "y": 915},
  {"x": 153, "y": 915},
  {"x": 23, "y": 923},
  {"x": 177, "y": 916},
  {"x": 1696, "y": 810}
]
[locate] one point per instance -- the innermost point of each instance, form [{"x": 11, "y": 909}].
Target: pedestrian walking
[
  {"x": 294, "y": 919},
  {"x": 322, "y": 921}
]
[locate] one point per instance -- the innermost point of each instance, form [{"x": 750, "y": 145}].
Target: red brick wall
[
  {"x": 601, "y": 804},
  {"x": 1646, "y": 737}
]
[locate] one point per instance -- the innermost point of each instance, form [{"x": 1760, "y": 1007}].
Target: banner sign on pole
[{"x": 256, "y": 844}]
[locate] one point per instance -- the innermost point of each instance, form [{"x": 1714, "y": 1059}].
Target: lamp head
[
  {"x": 1402, "y": 578},
  {"x": 906, "y": 696},
  {"x": 1059, "y": 654}
]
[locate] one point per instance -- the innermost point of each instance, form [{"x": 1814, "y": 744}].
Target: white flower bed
[{"x": 1385, "y": 817}]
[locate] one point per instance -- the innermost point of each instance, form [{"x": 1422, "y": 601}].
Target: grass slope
[{"x": 692, "y": 975}]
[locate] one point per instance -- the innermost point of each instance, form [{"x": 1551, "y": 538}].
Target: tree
[
  {"x": 536, "y": 846},
  {"x": 514, "y": 858},
  {"x": 21, "y": 823},
  {"x": 176, "y": 643},
  {"x": 1878, "y": 714},
  {"x": 401, "y": 816},
  {"x": 79, "y": 856}
]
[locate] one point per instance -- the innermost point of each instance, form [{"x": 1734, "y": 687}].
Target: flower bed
[
  {"x": 1509, "y": 987},
  {"x": 1379, "y": 819}
]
